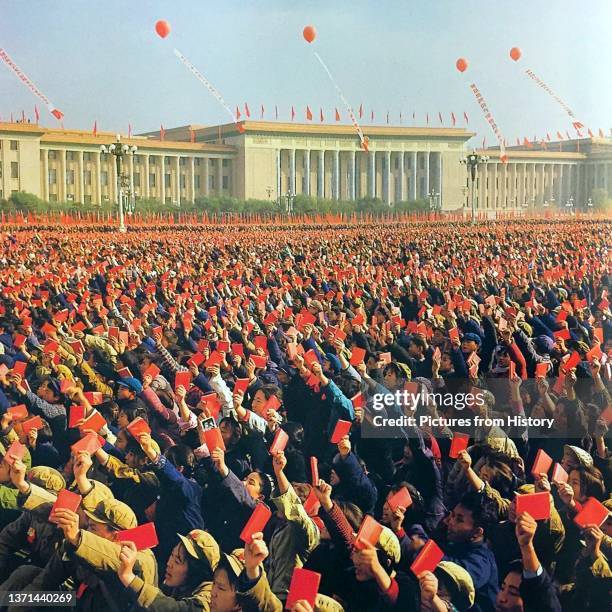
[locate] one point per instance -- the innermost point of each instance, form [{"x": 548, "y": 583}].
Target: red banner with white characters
[
  {"x": 491, "y": 121},
  {"x": 28, "y": 83}
]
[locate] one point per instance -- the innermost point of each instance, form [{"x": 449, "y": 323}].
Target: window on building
[
  {"x": 14, "y": 145},
  {"x": 182, "y": 161},
  {"x": 167, "y": 160},
  {"x": 87, "y": 177},
  {"x": 197, "y": 181},
  {"x": 70, "y": 177},
  {"x": 225, "y": 163},
  {"x": 152, "y": 180},
  {"x": 15, "y": 170},
  {"x": 197, "y": 161},
  {"x": 86, "y": 156},
  {"x": 211, "y": 182},
  {"x": 52, "y": 155},
  {"x": 212, "y": 163},
  {"x": 136, "y": 179},
  {"x": 70, "y": 155},
  {"x": 104, "y": 178},
  {"x": 225, "y": 182},
  {"x": 167, "y": 179},
  {"x": 52, "y": 176},
  {"x": 183, "y": 181}
]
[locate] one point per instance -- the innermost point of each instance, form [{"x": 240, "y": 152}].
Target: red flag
[
  {"x": 567, "y": 134},
  {"x": 238, "y": 114},
  {"x": 292, "y": 113},
  {"x": 36, "y": 113},
  {"x": 95, "y": 128},
  {"x": 526, "y": 142},
  {"x": 22, "y": 116},
  {"x": 276, "y": 111},
  {"x": 247, "y": 112},
  {"x": 440, "y": 117},
  {"x": 337, "y": 115},
  {"x": 518, "y": 142},
  {"x": 321, "y": 114},
  {"x": 453, "y": 119},
  {"x": 129, "y": 130},
  {"x": 465, "y": 117},
  {"x": 577, "y": 125},
  {"x": 263, "y": 110},
  {"x": 162, "y": 132},
  {"x": 590, "y": 133},
  {"x": 361, "y": 111},
  {"x": 191, "y": 135},
  {"x": 308, "y": 113},
  {"x": 601, "y": 133},
  {"x": 559, "y": 136},
  {"x": 57, "y": 114},
  {"x": 548, "y": 136}
]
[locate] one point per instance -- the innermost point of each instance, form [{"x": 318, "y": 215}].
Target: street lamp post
[
  {"x": 570, "y": 205},
  {"x": 471, "y": 161},
  {"x": 433, "y": 200},
  {"x": 119, "y": 150},
  {"x": 290, "y": 196}
]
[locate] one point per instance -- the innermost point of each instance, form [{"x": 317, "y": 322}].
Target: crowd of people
[{"x": 187, "y": 417}]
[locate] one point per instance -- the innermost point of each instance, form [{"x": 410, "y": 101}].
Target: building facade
[{"x": 268, "y": 160}]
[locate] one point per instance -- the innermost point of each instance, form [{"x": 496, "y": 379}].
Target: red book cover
[
  {"x": 66, "y": 500},
  {"x": 18, "y": 412},
  {"x": 152, "y": 371},
  {"x": 143, "y": 536},
  {"x": 357, "y": 355},
  {"x": 280, "y": 442},
  {"x": 537, "y": 505},
  {"x": 428, "y": 558},
  {"x": 401, "y": 498},
  {"x": 559, "y": 474},
  {"x": 15, "y": 450},
  {"x": 214, "y": 439},
  {"x": 369, "y": 532},
  {"x": 19, "y": 367},
  {"x": 303, "y": 587},
  {"x": 94, "y": 397},
  {"x": 541, "y": 370},
  {"x": 90, "y": 444},
  {"x": 593, "y": 513},
  {"x": 542, "y": 463},
  {"x": 34, "y": 423},
  {"x": 182, "y": 379},
  {"x": 459, "y": 443},
  {"x": 238, "y": 349},
  {"x": 137, "y": 427},
  {"x": 314, "y": 471},
  {"x": 259, "y": 361},
  {"x": 341, "y": 429},
  {"x": 95, "y": 422},
  {"x": 241, "y": 384},
  {"x": 256, "y": 523},
  {"x": 77, "y": 413}
]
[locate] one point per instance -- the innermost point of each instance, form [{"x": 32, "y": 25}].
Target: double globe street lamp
[
  {"x": 471, "y": 161},
  {"x": 119, "y": 150}
]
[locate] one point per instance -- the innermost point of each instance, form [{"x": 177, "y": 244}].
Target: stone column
[
  {"x": 81, "y": 168},
  {"x": 62, "y": 177},
  {"x": 146, "y": 185},
  {"x": 292, "y": 171},
  {"x": 192, "y": 190},
  {"x": 177, "y": 169},
  {"x": 98, "y": 199},
  {"x": 206, "y": 162},
  {"x": 426, "y": 175},
  {"x": 162, "y": 185},
  {"x": 372, "y": 174},
  {"x": 321, "y": 175},
  {"x": 351, "y": 190},
  {"x": 402, "y": 177},
  {"x": 439, "y": 178},
  {"x": 279, "y": 186},
  {"x": 220, "y": 176},
  {"x": 132, "y": 176},
  {"x": 307, "y": 172},
  {"x": 483, "y": 191},
  {"x": 336, "y": 176},
  {"x": 387, "y": 178},
  {"x": 413, "y": 176},
  {"x": 45, "y": 185}
]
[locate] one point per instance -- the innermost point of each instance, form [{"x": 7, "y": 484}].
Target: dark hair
[
  {"x": 270, "y": 390},
  {"x": 182, "y": 455},
  {"x": 483, "y": 509},
  {"x": 591, "y": 482},
  {"x": 267, "y": 484},
  {"x": 419, "y": 342},
  {"x": 198, "y": 571},
  {"x": 503, "y": 479},
  {"x": 131, "y": 412},
  {"x": 295, "y": 431},
  {"x": 352, "y": 512}
]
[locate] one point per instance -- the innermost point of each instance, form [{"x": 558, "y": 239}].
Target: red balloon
[
  {"x": 461, "y": 65},
  {"x": 515, "y": 54},
  {"x": 162, "y": 28},
  {"x": 309, "y": 34}
]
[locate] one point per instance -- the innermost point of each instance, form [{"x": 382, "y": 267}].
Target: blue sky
[{"x": 103, "y": 61}]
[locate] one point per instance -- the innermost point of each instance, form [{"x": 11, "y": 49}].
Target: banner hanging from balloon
[
  {"x": 515, "y": 55},
  {"x": 210, "y": 88},
  {"x": 490, "y": 119},
  {"x": 310, "y": 34},
  {"x": 30, "y": 85}
]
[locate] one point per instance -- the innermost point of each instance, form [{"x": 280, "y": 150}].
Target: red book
[
  {"x": 314, "y": 471},
  {"x": 453, "y": 333},
  {"x": 214, "y": 439},
  {"x": 537, "y": 505},
  {"x": 182, "y": 379},
  {"x": 33, "y": 423},
  {"x": 18, "y": 412},
  {"x": 223, "y": 346},
  {"x": 125, "y": 373},
  {"x": 47, "y": 329},
  {"x": 428, "y": 558},
  {"x": 214, "y": 359},
  {"x": 241, "y": 384},
  {"x": 212, "y": 404},
  {"x": 259, "y": 361},
  {"x": 401, "y": 498},
  {"x": 77, "y": 346},
  {"x": 280, "y": 442},
  {"x": 310, "y": 357},
  {"x": 50, "y": 346},
  {"x": 458, "y": 443},
  {"x": 113, "y": 332},
  {"x": 18, "y": 340},
  {"x": 15, "y": 450},
  {"x": 238, "y": 349},
  {"x": 542, "y": 463},
  {"x": 312, "y": 505},
  {"x": 256, "y": 523},
  {"x": 137, "y": 427},
  {"x": 203, "y": 345},
  {"x": 76, "y": 414},
  {"x": 95, "y": 422},
  {"x": 357, "y": 355},
  {"x": 593, "y": 513},
  {"x": 358, "y": 400},
  {"x": 196, "y": 359},
  {"x": 90, "y": 444},
  {"x": 369, "y": 532},
  {"x": 261, "y": 342},
  {"x": 273, "y": 403},
  {"x": 572, "y": 362},
  {"x": 595, "y": 353},
  {"x": 559, "y": 474},
  {"x": 143, "y": 536},
  {"x": 79, "y": 326},
  {"x": 157, "y": 330},
  {"x": 94, "y": 397},
  {"x": 304, "y": 587},
  {"x": 152, "y": 371},
  {"x": 341, "y": 429},
  {"x": 563, "y": 334},
  {"x": 19, "y": 367},
  {"x": 66, "y": 500},
  {"x": 511, "y": 370},
  {"x": 541, "y": 370},
  {"x": 291, "y": 350}
]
